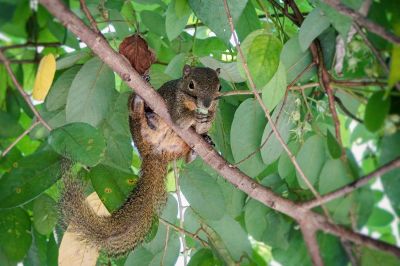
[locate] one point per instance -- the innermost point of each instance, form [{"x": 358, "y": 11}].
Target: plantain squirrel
[{"x": 192, "y": 102}]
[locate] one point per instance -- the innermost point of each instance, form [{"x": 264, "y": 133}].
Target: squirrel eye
[
  {"x": 219, "y": 88},
  {"x": 191, "y": 85}
]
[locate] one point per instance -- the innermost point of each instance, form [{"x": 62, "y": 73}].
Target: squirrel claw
[
  {"x": 138, "y": 104},
  {"x": 151, "y": 120}
]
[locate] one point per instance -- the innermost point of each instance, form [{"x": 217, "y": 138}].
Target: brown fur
[{"x": 158, "y": 144}]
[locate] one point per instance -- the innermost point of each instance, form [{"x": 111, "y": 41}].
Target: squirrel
[{"x": 192, "y": 102}]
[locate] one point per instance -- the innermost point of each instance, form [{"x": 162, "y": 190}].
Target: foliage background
[{"x": 86, "y": 108}]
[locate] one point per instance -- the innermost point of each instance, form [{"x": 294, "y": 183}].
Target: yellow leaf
[
  {"x": 44, "y": 77},
  {"x": 74, "y": 251}
]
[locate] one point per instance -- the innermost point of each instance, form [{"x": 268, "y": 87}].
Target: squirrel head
[{"x": 202, "y": 85}]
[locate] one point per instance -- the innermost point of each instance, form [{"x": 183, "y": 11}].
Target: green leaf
[
  {"x": 229, "y": 71},
  {"x": 313, "y": 148},
  {"x": 341, "y": 23},
  {"x": 9, "y": 126},
  {"x": 390, "y": 150},
  {"x": 272, "y": 148},
  {"x": 255, "y": 218},
  {"x": 380, "y": 218},
  {"x": 248, "y": 22},
  {"x": 274, "y": 90},
  {"x": 376, "y": 111},
  {"x": 213, "y": 14},
  {"x": 200, "y": 188},
  {"x": 394, "y": 75},
  {"x": 175, "y": 23},
  {"x": 57, "y": 97},
  {"x": 29, "y": 177},
  {"x": 79, "y": 141},
  {"x": 246, "y": 132},
  {"x": 233, "y": 236},
  {"x": 314, "y": 24},
  {"x": 45, "y": 214},
  {"x": 116, "y": 132},
  {"x": 70, "y": 59},
  {"x": 90, "y": 93},
  {"x": 261, "y": 50},
  {"x": 333, "y": 146},
  {"x": 112, "y": 185},
  {"x": 15, "y": 235},
  {"x": 154, "y": 22},
  {"x": 285, "y": 165},
  {"x": 373, "y": 257},
  {"x": 204, "y": 257},
  {"x": 334, "y": 175},
  {"x": 296, "y": 61},
  {"x": 174, "y": 68}
]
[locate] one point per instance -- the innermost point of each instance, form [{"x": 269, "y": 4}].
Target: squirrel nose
[{"x": 207, "y": 102}]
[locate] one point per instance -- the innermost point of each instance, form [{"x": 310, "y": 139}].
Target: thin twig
[
  {"x": 15, "y": 142},
  {"x": 89, "y": 16},
  {"x": 182, "y": 230},
  {"x": 346, "y": 111},
  {"x": 180, "y": 209},
  {"x": 165, "y": 247},
  {"x": 31, "y": 44},
  {"x": 352, "y": 186},
  {"x": 266, "y": 111},
  {"x": 21, "y": 90},
  {"x": 363, "y": 21}
]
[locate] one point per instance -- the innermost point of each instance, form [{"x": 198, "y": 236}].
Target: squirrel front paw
[
  {"x": 152, "y": 120},
  {"x": 138, "y": 104}
]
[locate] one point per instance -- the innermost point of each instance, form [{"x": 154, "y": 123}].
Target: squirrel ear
[
  {"x": 186, "y": 70},
  {"x": 218, "y": 70}
]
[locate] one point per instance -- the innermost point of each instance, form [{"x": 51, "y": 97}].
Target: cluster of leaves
[{"x": 87, "y": 111}]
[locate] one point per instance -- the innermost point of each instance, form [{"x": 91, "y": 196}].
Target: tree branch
[
  {"x": 246, "y": 184},
  {"x": 89, "y": 16},
  {"x": 31, "y": 44},
  {"x": 21, "y": 90},
  {"x": 353, "y": 186},
  {"x": 309, "y": 236},
  {"x": 362, "y": 21}
]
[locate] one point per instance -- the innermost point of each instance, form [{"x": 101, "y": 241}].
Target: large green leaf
[
  {"x": 9, "y": 126},
  {"x": 376, "y": 111},
  {"x": 29, "y": 177},
  {"x": 213, "y": 14},
  {"x": 90, "y": 94},
  {"x": 78, "y": 141},
  {"x": 261, "y": 50},
  {"x": 112, "y": 185},
  {"x": 57, "y": 97},
  {"x": 45, "y": 214},
  {"x": 246, "y": 132},
  {"x": 314, "y": 24},
  {"x": 229, "y": 71},
  {"x": 390, "y": 150},
  {"x": 234, "y": 237},
  {"x": 275, "y": 89},
  {"x": 272, "y": 148},
  {"x": 313, "y": 148},
  {"x": 200, "y": 187},
  {"x": 154, "y": 22},
  {"x": 248, "y": 22},
  {"x": 116, "y": 132},
  {"x": 175, "y": 23},
  {"x": 15, "y": 235},
  {"x": 296, "y": 61},
  {"x": 373, "y": 257},
  {"x": 204, "y": 257}
]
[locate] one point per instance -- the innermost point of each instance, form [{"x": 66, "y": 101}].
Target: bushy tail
[{"x": 125, "y": 228}]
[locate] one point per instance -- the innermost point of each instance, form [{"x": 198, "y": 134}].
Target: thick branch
[
  {"x": 204, "y": 150},
  {"x": 363, "y": 21},
  {"x": 352, "y": 186},
  {"x": 21, "y": 90}
]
